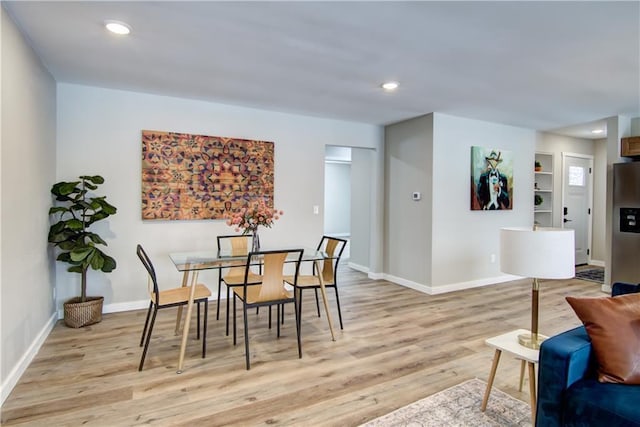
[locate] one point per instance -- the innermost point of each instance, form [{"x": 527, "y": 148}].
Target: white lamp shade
[{"x": 544, "y": 253}]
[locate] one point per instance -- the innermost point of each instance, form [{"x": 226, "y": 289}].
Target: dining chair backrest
[
  {"x": 272, "y": 287},
  {"x": 333, "y": 247},
  {"x": 237, "y": 245},
  {"x": 152, "y": 272}
]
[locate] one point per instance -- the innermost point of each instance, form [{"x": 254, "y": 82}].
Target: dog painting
[{"x": 491, "y": 179}]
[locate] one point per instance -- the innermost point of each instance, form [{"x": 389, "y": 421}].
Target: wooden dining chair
[
  {"x": 271, "y": 291},
  {"x": 333, "y": 247},
  {"x": 236, "y": 245},
  {"x": 169, "y": 298}
]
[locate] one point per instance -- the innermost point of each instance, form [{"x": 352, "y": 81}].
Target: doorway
[
  {"x": 577, "y": 201},
  {"x": 348, "y": 201}
]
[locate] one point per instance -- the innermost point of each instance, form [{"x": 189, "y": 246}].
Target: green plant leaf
[
  {"x": 75, "y": 269},
  {"x": 96, "y": 239},
  {"x": 74, "y": 224},
  {"x": 108, "y": 208},
  {"x": 97, "y": 262},
  {"x": 109, "y": 264},
  {"x": 64, "y": 188},
  {"x": 80, "y": 254},
  {"x": 96, "y": 179},
  {"x": 57, "y": 209},
  {"x": 64, "y": 257},
  {"x": 90, "y": 186},
  {"x": 67, "y": 245}
]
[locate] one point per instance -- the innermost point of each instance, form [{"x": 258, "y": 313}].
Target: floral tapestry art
[{"x": 186, "y": 177}]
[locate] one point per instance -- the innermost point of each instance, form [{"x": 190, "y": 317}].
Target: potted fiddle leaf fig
[{"x": 76, "y": 209}]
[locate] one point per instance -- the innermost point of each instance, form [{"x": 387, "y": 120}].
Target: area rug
[
  {"x": 593, "y": 275},
  {"x": 459, "y": 406}
]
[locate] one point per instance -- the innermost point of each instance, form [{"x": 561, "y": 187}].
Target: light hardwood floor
[{"x": 398, "y": 346}]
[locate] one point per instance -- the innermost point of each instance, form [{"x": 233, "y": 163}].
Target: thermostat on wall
[{"x": 416, "y": 196}]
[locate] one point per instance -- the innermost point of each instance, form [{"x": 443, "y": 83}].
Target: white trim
[
  {"x": 129, "y": 306},
  {"x": 375, "y": 276},
  {"x": 435, "y": 290},
  {"x": 596, "y": 263},
  {"x": 358, "y": 267},
  {"x": 14, "y": 376},
  {"x": 606, "y": 289},
  {"x": 126, "y": 306}
]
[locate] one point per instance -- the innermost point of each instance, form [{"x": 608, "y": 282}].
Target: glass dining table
[{"x": 190, "y": 263}]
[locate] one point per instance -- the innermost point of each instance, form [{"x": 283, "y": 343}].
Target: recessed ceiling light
[
  {"x": 117, "y": 27},
  {"x": 390, "y": 86},
  {"x": 597, "y": 131}
]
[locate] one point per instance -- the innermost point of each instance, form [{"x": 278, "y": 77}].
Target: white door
[{"x": 577, "y": 186}]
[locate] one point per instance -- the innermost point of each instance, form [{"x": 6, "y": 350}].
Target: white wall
[
  {"x": 361, "y": 196},
  {"x": 439, "y": 244},
  {"x": 408, "y": 224},
  {"x": 465, "y": 240},
  {"x": 28, "y": 171},
  {"x": 337, "y": 199},
  {"x": 599, "y": 201},
  {"x": 99, "y": 133}
]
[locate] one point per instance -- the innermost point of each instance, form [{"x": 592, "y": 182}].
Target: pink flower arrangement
[{"x": 249, "y": 218}]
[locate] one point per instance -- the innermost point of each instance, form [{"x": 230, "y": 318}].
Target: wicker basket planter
[{"x": 78, "y": 314}]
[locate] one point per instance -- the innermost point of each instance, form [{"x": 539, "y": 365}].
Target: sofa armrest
[
  {"x": 564, "y": 359},
  {"x": 620, "y": 288}
]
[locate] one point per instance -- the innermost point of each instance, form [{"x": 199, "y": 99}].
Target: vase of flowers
[{"x": 252, "y": 216}]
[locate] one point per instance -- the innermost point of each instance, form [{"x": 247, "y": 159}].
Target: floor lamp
[{"x": 539, "y": 253}]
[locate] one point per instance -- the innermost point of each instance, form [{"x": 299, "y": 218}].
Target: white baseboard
[
  {"x": 375, "y": 276},
  {"x": 435, "y": 290},
  {"x": 596, "y": 263},
  {"x": 128, "y": 306},
  {"x": 358, "y": 267},
  {"x": 14, "y": 376}
]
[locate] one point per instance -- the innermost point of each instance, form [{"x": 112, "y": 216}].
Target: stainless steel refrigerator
[{"x": 625, "y": 254}]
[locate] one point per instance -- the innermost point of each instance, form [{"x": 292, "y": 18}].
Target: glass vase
[{"x": 255, "y": 243}]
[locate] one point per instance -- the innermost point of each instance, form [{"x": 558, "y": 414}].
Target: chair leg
[
  {"x": 218, "y": 305},
  {"x": 338, "y": 303},
  {"x": 146, "y": 323},
  {"x": 298, "y": 307},
  {"x": 246, "y": 336},
  {"x": 204, "y": 328},
  {"x": 234, "y": 319},
  {"x": 227, "y": 325},
  {"x": 198, "y": 322},
  {"x": 146, "y": 344},
  {"x": 317, "y": 302},
  {"x": 282, "y": 314},
  {"x": 277, "y": 318},
  {"x": 297, "y": 304},
  {"x": 269, "y": 317}
]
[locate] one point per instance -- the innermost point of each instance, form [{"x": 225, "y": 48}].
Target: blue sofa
[{"x": 569, "y": 393}]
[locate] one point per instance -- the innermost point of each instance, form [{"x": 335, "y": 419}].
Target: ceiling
[{"x": 551, "y": 66}]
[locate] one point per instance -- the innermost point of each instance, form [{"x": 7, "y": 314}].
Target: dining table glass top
[{"x": 205, "y": 260}]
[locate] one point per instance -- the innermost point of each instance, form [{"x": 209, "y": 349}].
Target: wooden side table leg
[
  {"x": 492, "y": 375},
  {"x": 522, "y": 364},
  {"x": 532, "y": 391}
]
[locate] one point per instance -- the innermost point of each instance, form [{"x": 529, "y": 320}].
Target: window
[{"x": 576, "y": 176}]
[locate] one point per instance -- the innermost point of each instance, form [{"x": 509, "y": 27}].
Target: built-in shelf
[{"x": 543, "y": 188}]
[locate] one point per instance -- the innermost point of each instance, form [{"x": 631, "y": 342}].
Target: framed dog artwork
[{"x": 491, "y": 179}]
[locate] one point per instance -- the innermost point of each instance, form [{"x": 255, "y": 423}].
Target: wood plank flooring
[{"x": 398, "y": 346}]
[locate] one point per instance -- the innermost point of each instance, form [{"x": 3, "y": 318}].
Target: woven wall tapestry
[{"x": 188, "y": 176}]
